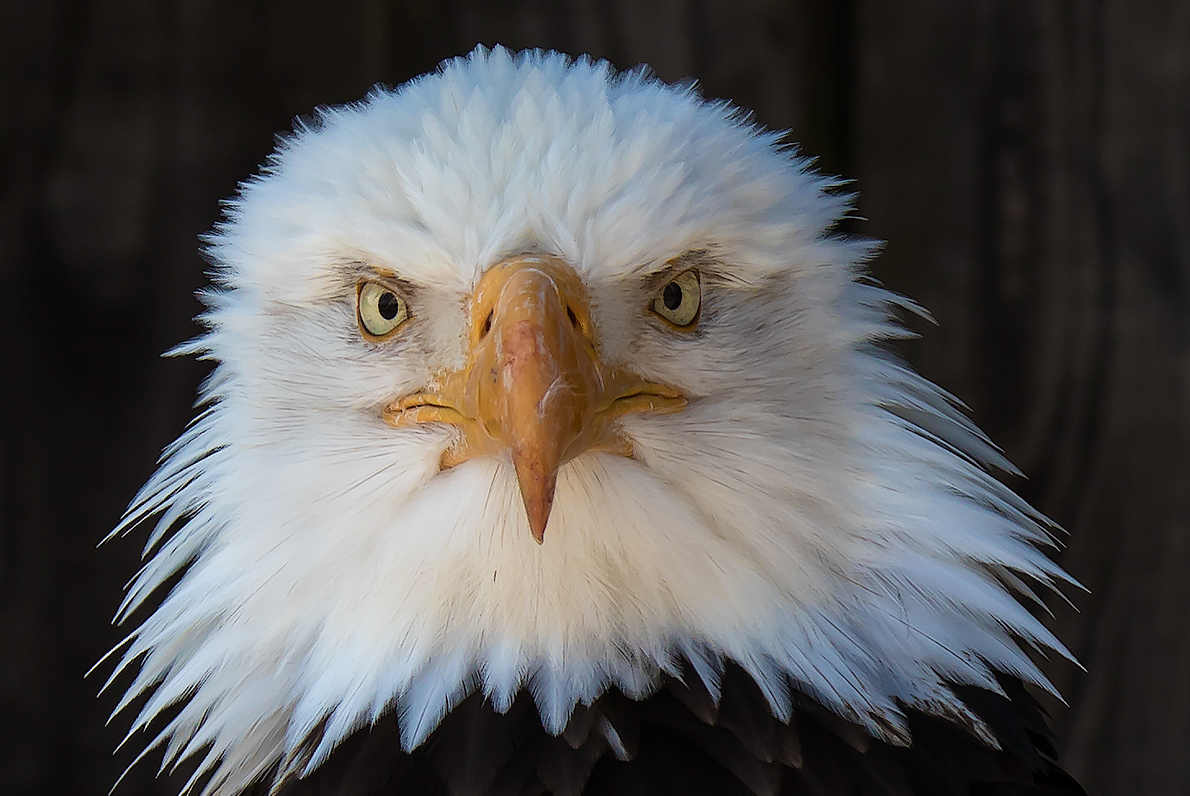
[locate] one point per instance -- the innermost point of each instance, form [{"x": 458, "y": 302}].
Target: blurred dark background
[{"x": 1028, "y": 162}]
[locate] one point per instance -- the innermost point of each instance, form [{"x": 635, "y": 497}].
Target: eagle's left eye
[
  {"x": 680, "y": 299},
  {"x": 380, "y": 310}
]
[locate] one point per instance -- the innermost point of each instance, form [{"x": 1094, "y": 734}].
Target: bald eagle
[{"x": 554, "y": 445}]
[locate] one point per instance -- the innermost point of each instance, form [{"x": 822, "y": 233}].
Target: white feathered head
[{"x": 527, "y": 296}]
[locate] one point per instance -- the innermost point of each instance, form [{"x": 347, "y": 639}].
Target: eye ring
[
  {"x": 380, "y": 310},
  {"x": 679, "y": 301}
]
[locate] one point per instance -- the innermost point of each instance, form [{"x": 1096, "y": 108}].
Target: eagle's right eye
[{"x": 380, "y": 310}]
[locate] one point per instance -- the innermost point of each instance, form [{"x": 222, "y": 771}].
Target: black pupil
[
  {"x": 672, "y": 296},
  {"x": 388, "y": 305}
]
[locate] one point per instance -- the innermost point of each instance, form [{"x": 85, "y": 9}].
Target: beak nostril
[
  {"x": 487, "y": 326},
  {"x": 573, "y": 318}
]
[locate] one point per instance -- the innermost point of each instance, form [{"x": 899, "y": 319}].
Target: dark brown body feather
[{"x": 679, "y": 743}]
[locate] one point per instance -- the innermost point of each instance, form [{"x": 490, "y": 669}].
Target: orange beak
[{"x": 534, "y": 385}]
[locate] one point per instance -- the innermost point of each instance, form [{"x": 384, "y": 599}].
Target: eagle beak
[{"x": 534, "y": 385}]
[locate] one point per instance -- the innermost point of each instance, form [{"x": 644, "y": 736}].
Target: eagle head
[{"x": 533, "y": 377}]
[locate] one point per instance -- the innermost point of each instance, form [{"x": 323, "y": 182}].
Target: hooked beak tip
[
  {"x": 538, "y": 507},
  {"x": 537, "y": 480}
]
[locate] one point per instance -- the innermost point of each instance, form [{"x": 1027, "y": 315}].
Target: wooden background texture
[{"x": 1027, "y": 161}]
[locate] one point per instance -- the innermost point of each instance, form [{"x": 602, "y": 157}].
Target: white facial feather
[{"x": 819, "y": 513}]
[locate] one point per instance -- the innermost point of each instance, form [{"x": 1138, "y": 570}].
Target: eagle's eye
[
  {"x": 680, "y": 299},
  {"x": 380, "y": 310}
]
